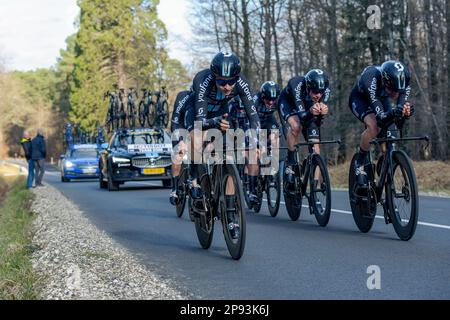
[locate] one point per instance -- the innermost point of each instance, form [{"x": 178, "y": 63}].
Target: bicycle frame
[
  {"x": 386, "y": 175},
  {"x": 131, "y": 100},
  {"x": 307, "y": 162},
  {"x": 121, "y": 103}
]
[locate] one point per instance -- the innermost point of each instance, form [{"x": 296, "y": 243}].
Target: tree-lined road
[{"x": 282, "y": 259}]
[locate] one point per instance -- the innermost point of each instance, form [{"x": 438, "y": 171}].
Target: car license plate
[
  {"x": 153, "y": 171},
  {"x": 89, "y": 171}
]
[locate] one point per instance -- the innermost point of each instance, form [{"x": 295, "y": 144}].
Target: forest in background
[
  {"x": 118, "y": 42},
  {"x": 123, "y": 42},
  {"x": 278, "y": 39}
]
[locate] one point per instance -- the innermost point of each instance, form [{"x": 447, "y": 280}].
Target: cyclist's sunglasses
[
  {"x": 270, "y": 99},
  {"x": 317, "y": 91},
  {"x": 224, "y": 82}
]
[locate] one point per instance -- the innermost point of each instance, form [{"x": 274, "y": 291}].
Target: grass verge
[
  {"x": 17, "y": 279},
  {"x": 432, "y": 176}
]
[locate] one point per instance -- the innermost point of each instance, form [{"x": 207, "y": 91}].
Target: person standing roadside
[
  {"x": 39, "y": 153},
  {"x": 26, "y": 145}
]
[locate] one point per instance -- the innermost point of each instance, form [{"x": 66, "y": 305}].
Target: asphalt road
[{"x": 282, "y": 259}]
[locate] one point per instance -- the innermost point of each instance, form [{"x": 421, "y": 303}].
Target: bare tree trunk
[
  {"x": 267, "y": 38},
  {"x": 236, "y": 29},
  {"x": 432, "y": 77},
  {"x": 216, "y": 27},
  {"x": 294, "y": 35},
  {"x": 121, "y": 73},
  {"x": 246, "y": 30},
  {"x": 274, "y": 20},
  {"x": 447, "y": 17}
]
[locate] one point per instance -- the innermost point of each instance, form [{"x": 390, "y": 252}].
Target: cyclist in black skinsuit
[
  {"x": 301, "y": 102},
  {"x": 266, "y": 104},
  {"x": 369, "y": 102},
  {"x": 182, "y": 118},
  {"x": 213, "y": 89},
  {"x": 239, "y": 119}
]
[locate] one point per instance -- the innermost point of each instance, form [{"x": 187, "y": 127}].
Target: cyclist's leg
[
  {"x": 253, "y": 172},
  {"x": 196, "y": 160},
  {"x": 289, "y": 114},
  {"x": 179, "y": 147},
  {"x": 362, "y": 110},
  {"x": 230, "y": 203},
  {"x": 312, "y": 134},
  {"x": 272, "y": 126},
  {"x": 293, "y": 137}
]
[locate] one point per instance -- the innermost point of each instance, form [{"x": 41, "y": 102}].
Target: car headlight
[
  {"x": 120, "y": 160},
  {"x": 69, "y": 164}
]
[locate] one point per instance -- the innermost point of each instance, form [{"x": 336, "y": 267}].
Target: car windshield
[
  {"x": 84, "y": 153},
  {"x": 124, "y": 140}
]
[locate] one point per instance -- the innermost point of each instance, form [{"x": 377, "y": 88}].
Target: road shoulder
[{"x": 78, "y": 261}]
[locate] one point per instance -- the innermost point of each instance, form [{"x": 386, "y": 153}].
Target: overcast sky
[{"x": 32, "y": 32}]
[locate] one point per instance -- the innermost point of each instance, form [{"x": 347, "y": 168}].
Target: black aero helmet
[
  {"x": 226, "y": 65},
  {"x": 395, "y": 75},
  {"x": 317, "y": 80},
  {"x": 270, "y": 90}
]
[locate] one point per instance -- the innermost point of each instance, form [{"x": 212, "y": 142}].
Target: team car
[
  {"x": 136, "y": 155},
  {"x": 80, "y": 162}
]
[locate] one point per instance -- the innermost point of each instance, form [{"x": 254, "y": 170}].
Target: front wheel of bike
[
  {"x": 292, "y": 196},
  {"x": 363, "y": 208},
  {"x": 244, "y": 179},
  {"x": 151, "y": 115},
  {"x": 123, "y": 119},
  {"x": 204, "y": 217},
  {"x": 141, "y": 115},
  {"x": 116, "y": 121},
  {"x": 132, "y": 119},
  {"x": 259, "y": 194},
  {"x": 320, "y": 191},
  {"x": 182, "y": 193},
  {"x": 234, "y": 221},
  {"x": 165, "y": 113},
  {"x": 273, "y": 191},
  {"x": 402, "y": 196}
]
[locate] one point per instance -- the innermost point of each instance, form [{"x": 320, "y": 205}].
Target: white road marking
[{"x": 427, "y": 224}]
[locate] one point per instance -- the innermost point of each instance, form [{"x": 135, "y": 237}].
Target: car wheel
[{"x": 112, "y": 186}]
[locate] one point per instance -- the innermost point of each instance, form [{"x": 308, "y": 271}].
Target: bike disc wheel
[
  {"x": 259, "y": 193},
  {"x": 117, "y": 121},
  {"x": 273, "y": 191},
  {"x": 402, "y": 196},
  {"x": 359, "y": 207},
  {"x": 165, "y": 113},
  {"x": 244, "y": 179},
  {"x": 321, "y": 192},
  {"x": 204, "y": 220},
  {"x": 236, "y": 243},
  {"x": 151, "y": 115},
  {"x": 132, "y": 119},
  {"x": 181, "y": 196},
  {"x": 141, "y": 110},
  {"x": 293, "y": 200}
]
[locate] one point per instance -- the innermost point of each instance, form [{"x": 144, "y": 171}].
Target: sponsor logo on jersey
[
  {"x": 246, "y": 89},
  {"x": 203, "y": 86}
]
